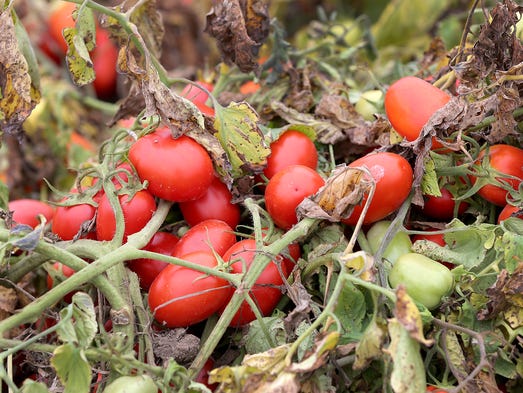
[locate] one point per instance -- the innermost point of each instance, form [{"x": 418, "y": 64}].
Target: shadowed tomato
[
  {"x": 60, "y": 17},
  {"x": 105, "y": 57},
  {"x": 509, "y": 211},
  {"x": 195, "y": 94},
  {"x": 147, "y": 269},
  {"x": 26, "y": 211},
  {"x": 208, "y": 235},
  {"x": 442, "y": 207}
]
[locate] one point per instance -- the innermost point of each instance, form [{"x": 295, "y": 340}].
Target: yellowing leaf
[
  {"x": 407, "y": 313},
  {"x": 78, "y": 59},
  {"x": 72, "y": 368},
  {"x": 241, "y": 138},
  {"x": 370, "y": 345}
]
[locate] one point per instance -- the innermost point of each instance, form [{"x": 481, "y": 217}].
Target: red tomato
[
  {"x": 266, "y": 291},
  {"x": 442, "y": 207},
  {"x": 105, "y": 57},
  {"x": 26, "y": 211},
  {"x": 61, "y": 16},
  {"x": 208, "y": 235},
  {"x": 507, "y": 160},
  {"x": 291, "y": 148},
  {"x": 393, "y": 176},
  {"x": 409, "y": 104},
  {"x": 215, "y": 203},
  {"x": 287, "y": 189},
  {"x": 203, "y": 375},
  {"x": 181, "y": 297},
  {"x": 195, "y": 94},
  {"x": 67, "y": 272},
  {"x": 249, "y": 87},
  {"x": 177, "y": 170},
  {"x": 508, "y": 211},
  {"x": 137, "y": 212},
  {"x": 68, "y": 220},
  {"x": 147, "y": 269}
]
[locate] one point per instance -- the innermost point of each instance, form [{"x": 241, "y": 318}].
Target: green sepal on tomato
[{"x": 426, "y": 281}]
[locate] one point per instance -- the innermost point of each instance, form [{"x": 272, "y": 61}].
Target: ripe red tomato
[
  {"x": 68, "y": 220},
  {"x": 177, "y": 170},
  {"x": 266, "y": 292},
  {"x": 393, "y": 176},
  {"x": 215, "y": 203},
  {"x": 203, "y": 375},
  {"x": 26, "y": 211},
  {"x": 181, "y": 297},
  {"x": 442, "y": 207},
  {"x": 508, "y": 211},
  {"x": 409, "y": 104},
  {"x": 505, "y": 159},
  {"x": 291, "y": 148},
  {"x": 61, "y": 16},
  {"x": 287, "y": 189},
  {"x": 195, "y": 94},
  {"x": 147, "y": 269},
  {"x": 104, "y": 57},
  {"x": 137, "y": 212},
  {"x": 208, "y": 235}
]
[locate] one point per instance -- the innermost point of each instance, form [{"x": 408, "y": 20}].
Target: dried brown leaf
[{"x": 8, "y": 301}]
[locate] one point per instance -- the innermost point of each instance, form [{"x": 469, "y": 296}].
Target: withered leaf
[
  {"x": 335, "y": 201},
  {"x": 407, "y": 313},
  {"x": 8, "y": 301},
  {"x": 240, "y": 27}
]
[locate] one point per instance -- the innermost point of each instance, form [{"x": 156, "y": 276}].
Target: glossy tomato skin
[
  {"x": 68, "y": 220},
  {"x": 409, "y": 104},
  {"x": 287, "y": 189},
  {"x": 180, "y": 297},
  {"x": 208, "y": 235},
  {"x": 393, "y": 177},
  {"x": 291, "y": 148},
  {"x": 148, "y": 269},
  {"x": 425, "y": 280},
  {"x": 214, "y": 204},
  {"x": 442, "y": 207},
  {"x": 26, "y": 211},
  {"x": 137, "y": 212},
  {"x": 265, "y": 292},
  {"x": 505, "y": 159},
  {"x": 177, "y": 170}
]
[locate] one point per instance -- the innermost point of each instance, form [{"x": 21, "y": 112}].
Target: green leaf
[
  {"x": 429, "y": 182},
  {"x": 86, "y": 27},
  {"x": 31, "y": 386},
  {"x": 256, "y": 341},
  {"x": 351, "y": 311},
  {"x": 78, "y": 60},
  {"x": 4, "y": 195},
  {"x": 82, "y": 327},
  {"x": 72, "y": 368},
  {"x": 511, "y": 247},
  {"x": 408, "y": 372},
  {"x": 241, "y": 138}
]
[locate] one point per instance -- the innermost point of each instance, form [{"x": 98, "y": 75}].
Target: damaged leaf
[{"x": 407, "y": 313}]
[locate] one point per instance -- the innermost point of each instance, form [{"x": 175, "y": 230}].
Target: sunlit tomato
[
  {"x": 60, "y": 17},
  {"x": 195, "y": 94},
  {"x": 437, "y": 238},
  {"x": 215, "y": 203},
  {"x": 104, "y": 57},
  {"x": 509, "y": 211},
  {"x": 287, "y": 189},
  {"x": 393, "y": 177},
  {"x": 266, "y": 292},
  {"x": 177, "y": 170},
  {"x": 208, "y": 235},
  {"x": 136, "y": 211},
  {"x": 26, "y": 211},
  {"x": 62, "y": 271},
  {"x": 181, "y": 297},
  {"x": 291, "y": 148},
  {"x": 442, "y": 207},
  {"x": 68, "y": 220},
  {"x": 409, "y": 104},
  {"x": 147, "y": 269},
  {"x": 507, "y": 160}
]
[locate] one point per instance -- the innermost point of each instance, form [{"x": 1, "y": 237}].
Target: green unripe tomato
[
  {"x": 399, "y": 245},
  {"x": 369, "y": 103},
  {"x": 425, "y": 280},
  {"x": 132, "y": 384}
]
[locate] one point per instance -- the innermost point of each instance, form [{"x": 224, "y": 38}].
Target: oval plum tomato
[
  {"x": 180, "y": 297},
  {"x": 291, "y": 148},
  {"x": 177, "y": 170},
  {"x": 400, "y": 244},
  {"x": 105, "y": 57},
  {"x": 393, "y": 176},
  {"x": 409, "y": 104},
  {"x": 266, "y": 292},
  {"x": 26, "y": 211},
  {"x": 509, "y": 211},
  {"x": 136, "y": 212},
  {"x": 195, "y": 94},
  {"x": 215, "y": 203},
  {"x": 287, "y": 189},
  {"x": 60, "y": 17},
  {"x": 507, "y": 160},
  {"x": 442, "y": 207},
  {"x": 147, "y": 269},
  {"x": 209, "y": 235},
  {"x": 68, "y": 220},
  {"x": 132, "y": 384}
]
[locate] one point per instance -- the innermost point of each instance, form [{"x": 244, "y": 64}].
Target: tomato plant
[
  {"x": 177, "y": 170},
  {"x": 409, "y": 104},
  {"x": 287, "y": 189},
  {"x": 425, "y": 280},
  {"x": 180, "y": 297},
  {"x": 209, "y": 235},
  {"x": 291, "y": 148},
  {"x": 400, "y": 244},
  {"x": 266, "y": 291},
  {"x": 63, "y": 271},
  {"x": 506, "y": 163},
  {"x": 137, "y": 212},
  {"x": 26, "y": 211},
  {"x": 147, "y": 269},
  {"x": 215, "y": 203},
  {"x": 392, "y": 175}
]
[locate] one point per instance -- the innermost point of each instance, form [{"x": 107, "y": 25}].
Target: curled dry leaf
[
  {"x": 240, "y": 27},
  {"x": 335, "y": 201},
  {"x": 407, "y": 313}
]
